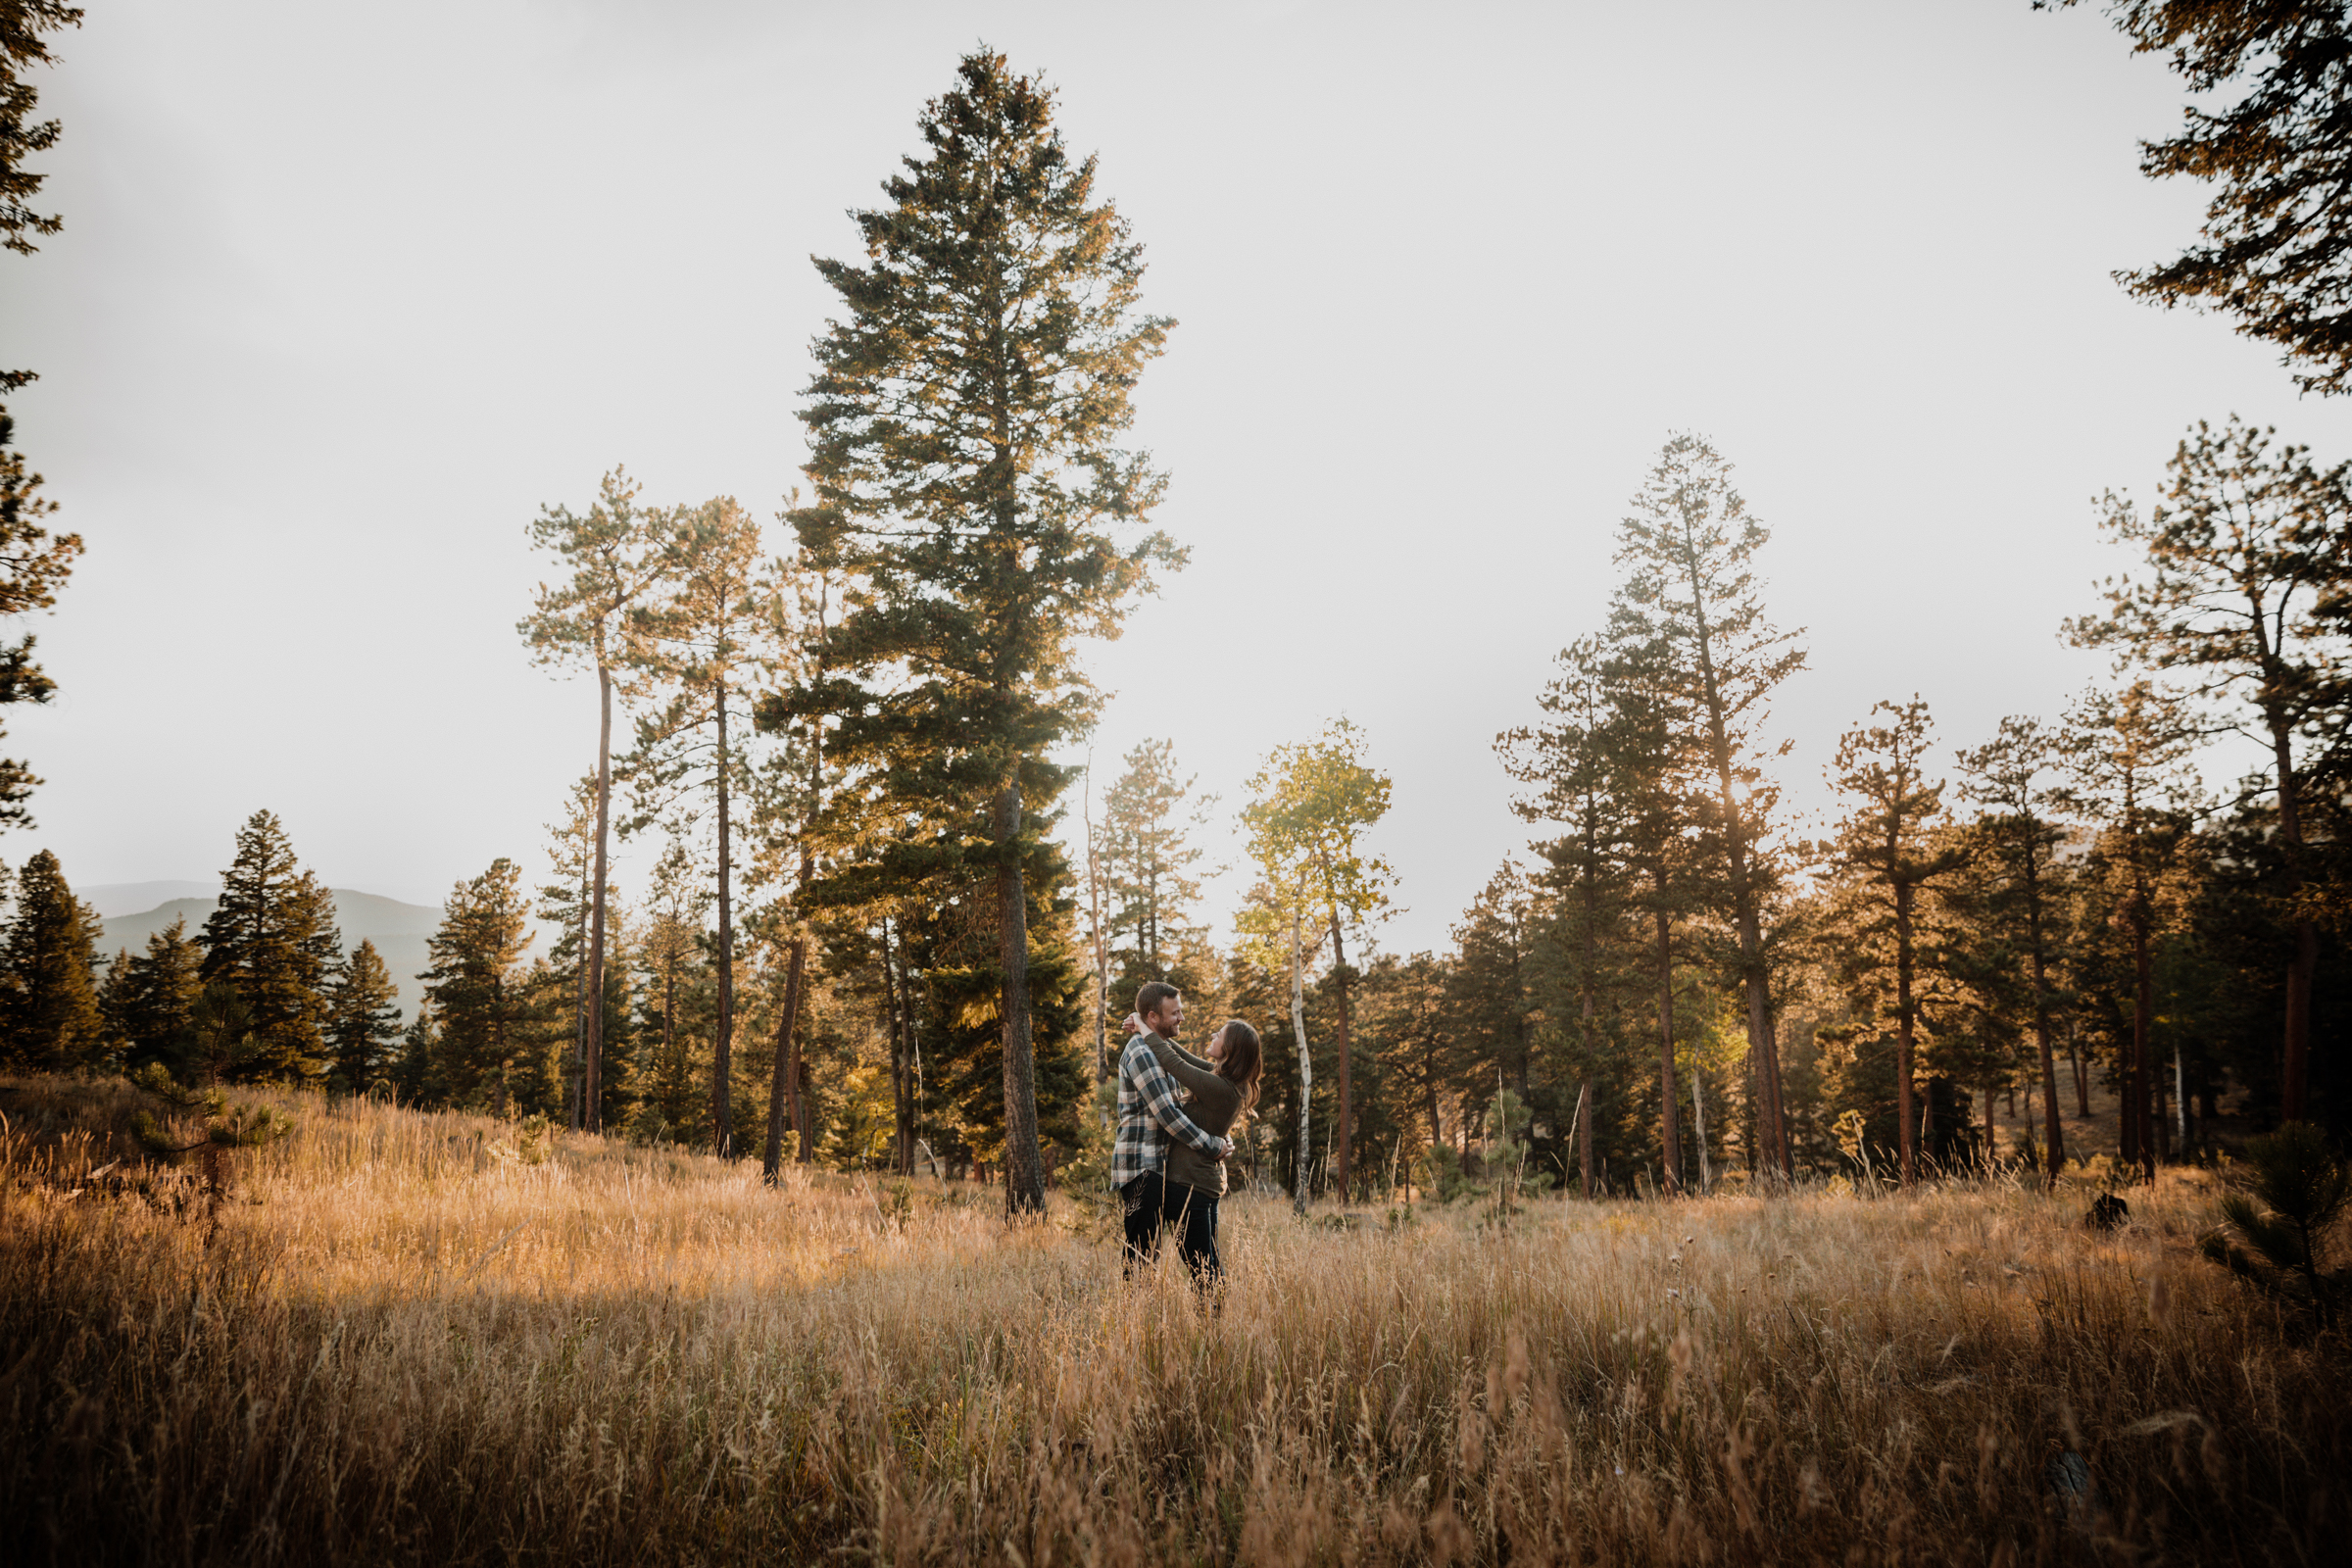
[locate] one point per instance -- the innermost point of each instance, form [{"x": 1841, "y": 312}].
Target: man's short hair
[{"x": 1152, "y": 997}]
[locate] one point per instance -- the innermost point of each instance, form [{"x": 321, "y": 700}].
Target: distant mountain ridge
[
  {"x": 110, "y": 899},
  {"x": 398, "y": 930}
]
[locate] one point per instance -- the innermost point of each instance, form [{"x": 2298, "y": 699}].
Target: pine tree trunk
[
  {"x": 592, "y": 1094},
  {"x": 1992, "y": 1134},
  {"x": 914, "y": 1053},
  {"x": 2074, "y": 1057},
  {"x": 1094, "y": 901},
  {"x": 1763, "y": 1047},
  {"x": 576, "y": 1080},
  {"x": 1584, "y": 990},
  {"x": 669, "y": 1023},
  {"x": 2053, "y": 1127},
  {"x": 1347, "y": 1117},
  {"x": 803, "y": 1107},
  {"x": 497, "y": 1052},
  {"x": 1519, "y": 1042},
  {"x": 1698, "y": 1127},
  {"x": 2143, "y": 1007},
  {"x": 2296, "y": 1078},
  {"x": 723, "y": 1114},
  {"x": 2127, "y": 1123},
  {"x": 1670, "y": 1164},
  {"x": 786, "y": 1090},
  {"x": 2160, "y": 1122},
  {"x": 2295, "y": 1067},
  {"x": 1024, "y": 1175},
  {"x": 1906, "y": 1126},
  {"x": 783, "y": 1084},
  {"x": 1306, "y": 1066},
  {"x": 901, "y": 1050},
  {"x": 1583, "y": 1133}
]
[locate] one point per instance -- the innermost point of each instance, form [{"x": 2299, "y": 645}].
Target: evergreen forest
[{"x": 888, "y": 923}]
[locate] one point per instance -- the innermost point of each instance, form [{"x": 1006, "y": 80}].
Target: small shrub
[
  {"x": 1439, "y": 1169},
  {"x": 2303, "y": 1189}
]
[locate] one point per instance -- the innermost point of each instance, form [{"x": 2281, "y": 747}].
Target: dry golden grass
[{"x": 391, "y": 1341}]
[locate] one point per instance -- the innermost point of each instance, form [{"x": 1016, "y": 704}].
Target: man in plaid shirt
[{"x": 1149, "y": 1114}]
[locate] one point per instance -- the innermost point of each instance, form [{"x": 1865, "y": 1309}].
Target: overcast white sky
[{"x": 347, "y": 292}]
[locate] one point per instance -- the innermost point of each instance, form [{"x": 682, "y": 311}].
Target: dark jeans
[{"x": 1192, "y": 1214}]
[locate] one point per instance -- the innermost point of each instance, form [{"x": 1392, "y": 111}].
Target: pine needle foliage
[
  {"x": 2300, "y": 1191},
  {"x": 2277, "y": 251},
  {"x": 34, "y": 563},
  {"x": 23, "y": 23}
]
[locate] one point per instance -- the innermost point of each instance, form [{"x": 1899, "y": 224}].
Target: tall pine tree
[
  {"x": 273, "y": 939},
  {"x": 962, "y": 429},
  {"x": 2243, "y": 558},
  {"x": 1692, "y": 597},
  {"x": 49, "y": 1017},
  {"x": 2127, "y": 753},
  {"x": 706, "y": 641},
  {"x": 1653, "y": 752},
  {"x": 363, "y": 1022},
  {"x": 2010, "y": 778},
  {"x": 480, "y": 994},
  {"x": 614, "y": 566},
  {"x": 151, "y": 996},
  {"x": 1885, "y": 847},
  {"x": 1568, "y": 759},
  {"x": 1151, "y": 876}
]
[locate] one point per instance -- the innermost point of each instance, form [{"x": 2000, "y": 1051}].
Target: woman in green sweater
[{"x": 1219, "y": 1090}]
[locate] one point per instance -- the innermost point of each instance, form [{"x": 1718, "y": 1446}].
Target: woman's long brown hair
[{"x": 1244, "y": 1060}]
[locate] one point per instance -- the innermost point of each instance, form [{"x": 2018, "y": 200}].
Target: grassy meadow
[{"x": 398, "y": 1337}]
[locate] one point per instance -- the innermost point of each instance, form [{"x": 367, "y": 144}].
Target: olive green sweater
[{"x": 1214, "y": 1105}]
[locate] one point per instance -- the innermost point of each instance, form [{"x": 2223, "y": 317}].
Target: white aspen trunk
[
  {"x": 2180, "y": 1102},
  {"x": 1307, "y": 1069},
  {"x": 1699, "y": 1119}
]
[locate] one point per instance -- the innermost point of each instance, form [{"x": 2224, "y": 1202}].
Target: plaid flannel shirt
[{"x": 1150, "y": 1112}]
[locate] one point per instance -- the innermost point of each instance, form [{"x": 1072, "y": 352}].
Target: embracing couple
[{"x": 1176, "y": 1111}]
